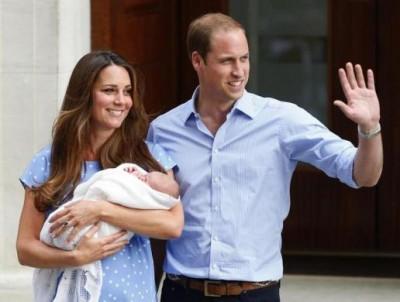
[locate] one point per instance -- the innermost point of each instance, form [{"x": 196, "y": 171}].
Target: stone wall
[{"x": 40, "y": 42}]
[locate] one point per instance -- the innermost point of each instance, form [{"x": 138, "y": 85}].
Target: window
[{"x": 288, "y": 50}]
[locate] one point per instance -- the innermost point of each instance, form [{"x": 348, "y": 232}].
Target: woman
[{"x": 102, "y": 123}]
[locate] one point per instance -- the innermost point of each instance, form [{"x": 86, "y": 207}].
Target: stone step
[{"x": 16, "y": 286}]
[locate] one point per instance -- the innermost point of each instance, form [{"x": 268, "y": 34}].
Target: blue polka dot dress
[{"x": 129, "y": 274}]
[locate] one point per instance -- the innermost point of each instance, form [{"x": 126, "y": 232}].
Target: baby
[
  {"x": 127, "y": 185},
  {"x": 156, "y": 180}
]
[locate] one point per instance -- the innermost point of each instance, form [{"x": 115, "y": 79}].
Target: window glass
[{"x": 288, "y": 50}]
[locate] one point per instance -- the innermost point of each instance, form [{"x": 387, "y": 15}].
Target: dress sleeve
[
  {"x": 161, "y": 155},
  {"x": 38, "y": 169}
]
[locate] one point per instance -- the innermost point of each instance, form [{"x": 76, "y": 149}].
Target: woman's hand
[
  {"x": 77, "y": 215},
  {"x": 92, "y": 249},
  {"x": 33, "y": 252}
]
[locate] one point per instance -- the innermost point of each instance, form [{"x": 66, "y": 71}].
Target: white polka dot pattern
[{"x": 127, "y": 275}]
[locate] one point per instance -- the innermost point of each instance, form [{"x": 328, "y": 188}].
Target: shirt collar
[
  {"x": 189, "y": 110},
  {"x": 244, "y": 104}
]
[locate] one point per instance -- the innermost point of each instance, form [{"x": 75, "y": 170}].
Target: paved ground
[
  {"x": 299, "y": 288},
  {"x": 295, "y": 288}
]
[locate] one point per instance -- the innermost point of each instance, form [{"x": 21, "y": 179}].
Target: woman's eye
[
  {"x": 108, "y": 90},
  {"x": 128, "y": 92}
]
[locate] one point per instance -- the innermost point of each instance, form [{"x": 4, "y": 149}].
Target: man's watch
[{"x": 371, "y": 133}]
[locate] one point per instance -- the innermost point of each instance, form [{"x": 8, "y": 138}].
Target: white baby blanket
[{"x": 83, "y": 284}]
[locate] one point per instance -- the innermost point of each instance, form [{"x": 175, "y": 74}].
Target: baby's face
[{"x": 155, "y": 179}]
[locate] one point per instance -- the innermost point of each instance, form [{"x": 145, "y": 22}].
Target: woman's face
[{"x": 111, "y": 99}]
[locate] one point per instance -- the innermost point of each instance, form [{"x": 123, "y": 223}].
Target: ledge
[{"x": 357, "y": 265}]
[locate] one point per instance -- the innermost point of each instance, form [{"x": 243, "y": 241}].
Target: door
[
  {"x": 150, "y": 34},
  {"x": 145, "y": 33},
  {"x": 325, "y": 216}
]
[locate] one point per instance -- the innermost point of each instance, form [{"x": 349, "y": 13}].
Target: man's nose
[{"x": 237, "y": 69}]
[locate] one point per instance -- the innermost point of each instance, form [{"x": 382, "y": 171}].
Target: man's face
[{"x": 225, "y": 72}]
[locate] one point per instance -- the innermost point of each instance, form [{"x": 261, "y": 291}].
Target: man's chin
[{"x": 236, "y": 95}]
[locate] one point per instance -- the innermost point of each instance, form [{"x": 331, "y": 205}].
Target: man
[{"x": 235, "y": 154}]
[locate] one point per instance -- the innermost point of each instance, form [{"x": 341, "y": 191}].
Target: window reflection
[{"x": 287, "y": 50}]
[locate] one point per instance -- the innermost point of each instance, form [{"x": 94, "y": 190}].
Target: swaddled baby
[{"x": 127, "y": 185}]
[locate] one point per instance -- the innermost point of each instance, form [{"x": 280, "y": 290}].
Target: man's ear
[{"x": 197, "y": 59}]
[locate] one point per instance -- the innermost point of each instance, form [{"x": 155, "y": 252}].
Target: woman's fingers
[
  {"x": 59, "y": 215},
  {"x": 90, "y": 233},
  {"x": 74, "y": 232},
  {"x": 114, "y": 237},
  {"x": 112, "y": 248},
  {"x": 55, "y": 232},
  {"x": 59, "y": 220},
  {"x": 91, "y": 249},
  {"x": 113, "y": 243}
]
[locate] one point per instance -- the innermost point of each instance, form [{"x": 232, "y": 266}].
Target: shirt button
[
  {"x": 216, "y": 150},
  {"x": 216, "y": 179},
  {"x": 215, "y": 238},
  {"x": 214, "y": 266}
]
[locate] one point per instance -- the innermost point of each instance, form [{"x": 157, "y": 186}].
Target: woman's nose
[{"x": 119, "y": 97}]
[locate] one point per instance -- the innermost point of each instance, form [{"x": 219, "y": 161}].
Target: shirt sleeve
[
  {"x": 308, "y": 140},
  {"x": 38, "y": 170},
  {"x": 161, "y": 155}
]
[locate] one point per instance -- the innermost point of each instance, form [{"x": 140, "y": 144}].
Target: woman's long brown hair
[{"x": 72, "y": 128}]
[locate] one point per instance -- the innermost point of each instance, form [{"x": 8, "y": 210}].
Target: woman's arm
[
  {"x": 161, "y": 224},
  {"x": 32, "y": 252}
]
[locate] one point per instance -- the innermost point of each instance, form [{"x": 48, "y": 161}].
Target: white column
[
  {"x": 73, "y": 38},
  {"x": 40, "y": 42}
]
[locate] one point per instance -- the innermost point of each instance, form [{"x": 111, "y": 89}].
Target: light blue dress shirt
[{"x": 235, "y": 185}]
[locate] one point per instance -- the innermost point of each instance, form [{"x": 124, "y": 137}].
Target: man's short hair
[{"x": 201, "y": 29}]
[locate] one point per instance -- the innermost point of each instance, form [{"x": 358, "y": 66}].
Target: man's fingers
[
  {"x": 344, "y": 82},
  {"x": 351, "y": 76},
  {"x": 370, "y": 79},
  {"x": 347, "y": 111},
  {"x": 360, "y": 76}
]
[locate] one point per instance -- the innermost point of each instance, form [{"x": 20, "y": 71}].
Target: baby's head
[{"x": 155, "y": 180}]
